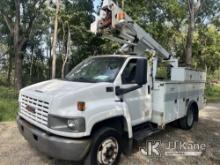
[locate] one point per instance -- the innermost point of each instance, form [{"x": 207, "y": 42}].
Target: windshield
[{"x": 97, "y": 69}]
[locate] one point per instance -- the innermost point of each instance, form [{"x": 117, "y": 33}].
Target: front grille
[{"x": 41, "y": 108}]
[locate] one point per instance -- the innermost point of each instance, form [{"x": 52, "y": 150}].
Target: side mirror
[
  {"x": 141, "y": 72},
  {"x": 140, "y": 78}
]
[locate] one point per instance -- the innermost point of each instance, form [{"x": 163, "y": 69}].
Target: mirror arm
[{"x": 121, "y": 91}]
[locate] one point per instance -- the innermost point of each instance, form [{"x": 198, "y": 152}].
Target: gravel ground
[{"x": 15, "y": 150}]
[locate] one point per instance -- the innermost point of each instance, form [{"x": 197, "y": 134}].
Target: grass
[
  {"x": 213, "y": 93},
  {"x": 8, "y": 104}
]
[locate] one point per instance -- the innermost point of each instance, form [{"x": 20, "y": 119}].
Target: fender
[
  {"x": 128, "y": 120},
  {"x": 190, "y": 102},
  {"x": 116, "y": 111}
]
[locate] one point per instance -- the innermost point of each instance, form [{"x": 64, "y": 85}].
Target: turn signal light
[
  {"x": 121, "y": 16},
  {"x": 81, "y": 106}
]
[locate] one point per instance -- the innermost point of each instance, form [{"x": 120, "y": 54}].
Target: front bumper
[{"x": 52, "y": 145}]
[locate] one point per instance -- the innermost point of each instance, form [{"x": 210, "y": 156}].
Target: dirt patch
[{"x": 15, "y": 150}]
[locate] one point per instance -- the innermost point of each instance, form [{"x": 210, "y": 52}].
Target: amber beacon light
[{"x": 121, "y": 16}]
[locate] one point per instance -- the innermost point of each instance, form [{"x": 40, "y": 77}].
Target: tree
[
  {"x": 27, "y": 27},
  {"x": 173, "y": 22},
  {"x": 54, "y": 43},
  {"x": 78, "y": 15},
  {"x": 193, "y": 8},
  {"x": 20, "y": 26},
  {"x": 206, "y": 49},
  {"x": 66, "y": 52}
]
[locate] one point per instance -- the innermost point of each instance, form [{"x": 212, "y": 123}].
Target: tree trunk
[
  {"x": 18, "y": 70},
  {"x": 17, "y": 48},
  {"x": 49, "y": 63},
  {"x": 9, "y": 68},
  {"x": 49, "y": 52},
  {"x": 63, "y": 68},
  {"x": 67, "y": 52},
  {"x": 193, "y": 7},
  {"x": 55, "y": 39},
  {"x": 31, "y": 67},
  {"x": 188, "y": 51}
]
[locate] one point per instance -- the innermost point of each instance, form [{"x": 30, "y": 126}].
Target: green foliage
[
  {"x": 162, "y": 19},
  {"x": 79, "y": 16},
  {"x": 165, "y": 20},
  {"x": 206, "y": 48},
  {"x": 2, "y": 80},
  {"x": 212, "y": 92},
  {"x": 163, "y": 71},
  {"x": 8, "y": 104}
]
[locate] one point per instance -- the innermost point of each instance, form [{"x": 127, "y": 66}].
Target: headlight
[
  {"x": 75, "y": 124},
  {"x": 71, "y": 123},
  {"x": 66, "y": 124}
]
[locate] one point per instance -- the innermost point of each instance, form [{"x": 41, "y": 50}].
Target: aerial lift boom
[{"x": 114, "y": 24}]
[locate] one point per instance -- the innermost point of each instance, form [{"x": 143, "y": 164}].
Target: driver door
[{"x": 138, "y": 100}]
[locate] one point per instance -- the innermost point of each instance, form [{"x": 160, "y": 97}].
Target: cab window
[{"x": 129, "y": 73}]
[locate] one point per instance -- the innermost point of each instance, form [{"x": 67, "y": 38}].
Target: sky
[{"x": 96, "y": 3}]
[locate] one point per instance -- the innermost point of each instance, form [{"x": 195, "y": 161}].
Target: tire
[
  {"x": 105, "y": 148},
  {"x": 187, "y": 122}
]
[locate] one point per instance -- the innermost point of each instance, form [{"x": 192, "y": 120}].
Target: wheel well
[
  {"x": 118, "y": 123},
  {"x": 195, "y": 110}
]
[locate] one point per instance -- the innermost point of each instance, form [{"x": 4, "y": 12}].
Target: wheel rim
[
  {"x": 190, "y": 118},
  {"x": 108, "y": 151}
]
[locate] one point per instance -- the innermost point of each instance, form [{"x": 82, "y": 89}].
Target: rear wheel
[
  {"x": 187, "y": 121},
  {"x": 106, "y": 148}
]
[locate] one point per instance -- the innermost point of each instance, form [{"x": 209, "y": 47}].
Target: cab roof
[{"x": 118, "y": 55}]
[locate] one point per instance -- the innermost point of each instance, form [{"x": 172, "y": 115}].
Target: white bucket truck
[{"x": 108, "y": 101}]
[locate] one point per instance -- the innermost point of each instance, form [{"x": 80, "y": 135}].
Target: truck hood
[
  {"x": 57, "y": 87},
  {"x": 62, "y": 96}
]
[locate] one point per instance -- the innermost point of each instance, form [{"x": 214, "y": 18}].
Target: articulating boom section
[{"x": 116, "y": 25}]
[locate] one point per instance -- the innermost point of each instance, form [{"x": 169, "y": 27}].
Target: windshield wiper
[{"x": 82, "y": 79}]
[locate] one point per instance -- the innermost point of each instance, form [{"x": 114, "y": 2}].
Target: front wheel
[{"x": 106, "y": 148}]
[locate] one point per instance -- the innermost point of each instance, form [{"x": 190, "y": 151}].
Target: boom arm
[{"x": 116, "y": 25}]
